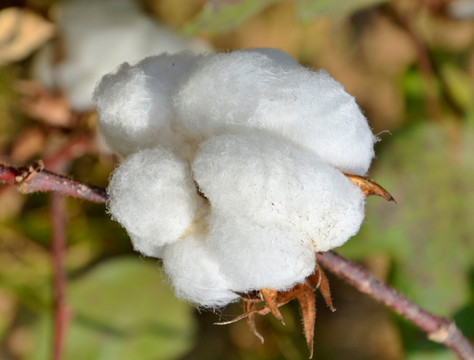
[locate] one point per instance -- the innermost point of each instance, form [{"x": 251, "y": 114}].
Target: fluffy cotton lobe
[
  {"x": 234, "y": 169},
  {"x": 153, "y": 196}
]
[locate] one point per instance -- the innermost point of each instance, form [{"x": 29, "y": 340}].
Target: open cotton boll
[
  {"x": 134, "y": 103},
  {"x": 264, "y": 89},
  {"x": 195, "y": 273},
  {"x": 97, "y": 36},
  {"x": 153, "y": 196},
  {"x": 279, "y": 185},
  {"x": 254, "y": 257}
]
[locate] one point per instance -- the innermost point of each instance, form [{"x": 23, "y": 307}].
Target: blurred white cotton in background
[
  {"x": 96, "y": 37},
  {"x": 461, "y": 9}
]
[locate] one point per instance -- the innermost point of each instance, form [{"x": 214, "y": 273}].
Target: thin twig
[
  {"x": 438, "y": 329},
  {"x": 35, "y": 178},
  {"x": 59, "y": 162},
  {"x": 58, "y": 250}
]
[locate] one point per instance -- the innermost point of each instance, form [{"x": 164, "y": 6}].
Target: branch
[
  {"x": 58, "y": 249},
  {"x": 438, "y": 329},
  {"x": 442, "y": 330},
  {"x": 35, "y": 178}
]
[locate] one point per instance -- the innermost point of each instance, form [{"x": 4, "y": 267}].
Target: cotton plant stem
[
  {"x": 438, "y": 329},
  {"x": 442, "y": 330},
  {"x": 35, "y": 178},
  {"x": 58, "y": 250},
  {"x": 59, "y": 162}
]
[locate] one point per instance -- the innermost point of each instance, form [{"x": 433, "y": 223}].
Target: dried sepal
[
  {"x": 323, "y": 286},
  {"x": 248, "y": 307},
  {"x": 307, "y": 302},
  {"x": 273, "y": 300},
  {"x": 270, "y": 298},
  {"x": 370, "y": 187}
]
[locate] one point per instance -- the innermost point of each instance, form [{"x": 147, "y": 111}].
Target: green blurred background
[{"x": 410, "y": 65}]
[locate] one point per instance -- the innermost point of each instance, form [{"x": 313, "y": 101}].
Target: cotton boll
[
  {"x": 195, "y": 272},
  {"x": 153, "y": 196},
  {"x": 134, "y": 103},
  {"x": 97, "y": 36},
  {"x": 254, "y": 257},
  {"x": 42, "y": 66},
  {"x": 278, "y": 184}
]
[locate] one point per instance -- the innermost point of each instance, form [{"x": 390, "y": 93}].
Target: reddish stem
[
  {"x": 34, "y": 178},
  {"x": 438, "y": 329},
  {"x": 58, "y": 250}
]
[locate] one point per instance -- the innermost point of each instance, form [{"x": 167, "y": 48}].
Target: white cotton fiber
[
  {"x": 279, "y": 58},
  {"x": 97, "y": 36},
  {"x": 135, "y": 104},
  {"x": 195, "y": 272},
  {"x": 314, "y": 111},
  {"x": 234, "y": 169},
  {"x": 153, "y": 196},
  {"x": 277, "y": 184},
  {"x": 265, "y": 90},
  {"x": 224, "y": 90},
  {"x": 255, "y": 256}
]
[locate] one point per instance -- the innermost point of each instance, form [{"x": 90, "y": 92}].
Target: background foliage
[{"x": 410, "y": 65}]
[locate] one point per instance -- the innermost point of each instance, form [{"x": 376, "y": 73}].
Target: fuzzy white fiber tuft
[
  {"x": 137, "y": 112},
  {"x": 234, "y": 168},
  {"x": 153, "y": 196},
  {"x": 195, "y": 272}
]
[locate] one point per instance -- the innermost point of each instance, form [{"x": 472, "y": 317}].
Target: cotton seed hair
[{"x": 234, "y": 167}]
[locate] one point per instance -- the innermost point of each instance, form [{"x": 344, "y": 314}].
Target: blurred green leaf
[
  {"x": 429, "y": 234},
  {"x": 24, "y": 270},
  {"x": 123, "y": 310},
  {"x": 438, "y": 354},
  {"x": 309, "y": 10},
  {"x": 7, "y": 311},
  {"x": 220, "y": 16}
]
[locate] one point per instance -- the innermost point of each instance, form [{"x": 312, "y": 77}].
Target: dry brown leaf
[
  {"x": 21, "y": 32},
  {"x": 27, "y": 145},
  {"x": 386, "y": 47},
  {"x": 42, "y": 105}
]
